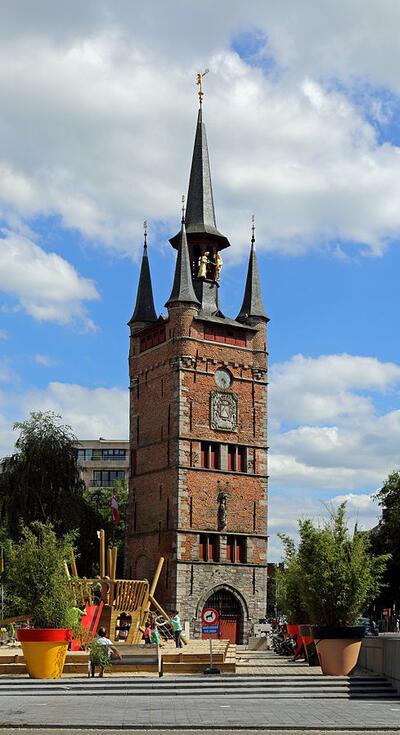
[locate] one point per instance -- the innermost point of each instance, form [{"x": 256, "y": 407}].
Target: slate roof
[
  {"x": 182, "y": 289},
  {"x": 252, "y": 305},
  {"x": 200, "y": 212},
  {"x": 144, "y": 310},
  {"x": 225, "y": 321}
]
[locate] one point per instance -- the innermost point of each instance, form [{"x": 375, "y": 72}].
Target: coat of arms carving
[{"x": 224, "y": 411}]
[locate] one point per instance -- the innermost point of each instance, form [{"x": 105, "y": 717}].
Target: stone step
[
  {"x": 106, "y": 690},
  {"x": 267, "y": 687},
  {"x": 239, "y": 681}
]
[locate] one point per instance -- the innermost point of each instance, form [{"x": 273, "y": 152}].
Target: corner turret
[
  {"x": 144, "y": 313},
  {"x": 252, "y": 308}
]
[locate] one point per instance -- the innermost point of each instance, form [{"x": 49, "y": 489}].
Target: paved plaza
[
  {"x": 182, "y": 713},
  {"x": 161, "y": 705}
]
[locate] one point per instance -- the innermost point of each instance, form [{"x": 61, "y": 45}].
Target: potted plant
[
  {"x": 37, "y": 586},
  {"x": 339, "y": 578},
  {"x": 290, "y": 599}
]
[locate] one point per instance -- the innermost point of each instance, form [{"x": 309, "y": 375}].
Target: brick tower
[{"x": 198, "y": 428}]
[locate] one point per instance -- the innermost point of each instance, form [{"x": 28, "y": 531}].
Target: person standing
[
  {"x": 176, "y": 622},
  {"x": 147, "y": 633},
  {"x": 155, "y": 636}
]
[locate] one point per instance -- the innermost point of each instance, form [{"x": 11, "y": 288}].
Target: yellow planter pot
[{"x": 44, "y": 651}]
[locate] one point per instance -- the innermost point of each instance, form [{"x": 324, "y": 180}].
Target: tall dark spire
[
  {"x": 144, "y": 311},
  {"x": 252, "y": 305},
  {"x": 200, "y": 212},
  {"x": 182, "y": 289}
]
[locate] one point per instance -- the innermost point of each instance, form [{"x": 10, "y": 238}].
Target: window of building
[
  {"x": 210, "y": 455},
  {"x": 84, "y": 454},
  {"x": 241, "y": 459},
  {"x": 107, "y": 478},
  {"x": 237, "y": 458},
  {"x": 226, "y": 335},
  {"x": 152, "y": 338},
  {"x": 113, "y": 453},
  {"x": 208, "y": 547},
  {"x": 231, "y": 458},
  {"x": 236, "y": 549}
]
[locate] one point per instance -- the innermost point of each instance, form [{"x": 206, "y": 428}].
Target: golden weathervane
[{"x": 199, "y": 82}]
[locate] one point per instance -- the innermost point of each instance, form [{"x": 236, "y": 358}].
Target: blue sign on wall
[{"x": 210, "y": 629}]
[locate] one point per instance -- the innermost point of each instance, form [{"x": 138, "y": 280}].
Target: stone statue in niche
[
  {"x": 222, "y": 510},
  {"x": 224, "y": 411}
]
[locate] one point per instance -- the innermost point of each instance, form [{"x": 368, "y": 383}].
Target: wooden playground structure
[{"x": 121, "y": 606}]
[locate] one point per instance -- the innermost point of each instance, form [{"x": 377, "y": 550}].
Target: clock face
[{"x": 223, "y": 378}]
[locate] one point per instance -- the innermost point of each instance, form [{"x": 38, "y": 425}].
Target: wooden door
[{"x": 230, "y": 615}]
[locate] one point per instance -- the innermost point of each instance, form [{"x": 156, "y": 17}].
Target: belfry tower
[{"x": 198, "y": 428}]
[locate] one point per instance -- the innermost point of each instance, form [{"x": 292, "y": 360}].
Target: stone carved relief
[
  {"x": 224, "y": 411},
  {"x": 222, "y": 510}
]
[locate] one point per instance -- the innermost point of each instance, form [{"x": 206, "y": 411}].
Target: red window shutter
[
  {"x": 241, "y": 456},
  {"x": 229, "y": 549},
  {"x": 231, "y": 458},
  {"x": 240, "y": 340},
  {"x": 240, "y": 547},
  {"x": 214, "y": 456},
  {"x": 238, "y": 551},
  {"x": 212, "y": 549},
  {"x": 204, "y": 455},
  {"x": 202, "y": 548}
]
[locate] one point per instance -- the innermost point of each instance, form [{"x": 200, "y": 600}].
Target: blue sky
[{"x": 302, "y": 120}]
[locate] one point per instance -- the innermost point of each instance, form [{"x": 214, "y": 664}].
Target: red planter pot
[
  {"x": 44, "y": 650},
  {"x": 294, "y": 631}
]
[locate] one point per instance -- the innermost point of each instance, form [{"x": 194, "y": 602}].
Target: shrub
[
  {"x": 339, "y": 576},
  {"x": 36, "y": 579},
  {"x": 288, "y": 581}
]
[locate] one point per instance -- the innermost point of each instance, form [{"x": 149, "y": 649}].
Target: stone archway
[{"x": 232, "y": 609}]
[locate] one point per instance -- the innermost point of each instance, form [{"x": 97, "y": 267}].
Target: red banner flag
[{"x": 114, "y": 510}]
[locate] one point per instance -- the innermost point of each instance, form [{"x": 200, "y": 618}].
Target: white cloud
[
  {"x": 46, "y": 286},
  {"x": 286, "y": 511},
  {"x": 327, "y": 432},
  {"x": 91, "y": 412},
  {"x": 44, "y": 360},
  {"x": 110, "y": 135},
  {"x": 3, "y": 334},
  {"x": 328, "y": 387}
]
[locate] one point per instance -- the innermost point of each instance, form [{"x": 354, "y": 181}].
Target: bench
[{"x": 138, "y": 654}]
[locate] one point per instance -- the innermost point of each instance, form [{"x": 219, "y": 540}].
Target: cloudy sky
[{"x": 96, "y": 133}]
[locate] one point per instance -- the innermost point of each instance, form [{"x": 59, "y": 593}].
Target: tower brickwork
[{"x": 198, "y": 430}]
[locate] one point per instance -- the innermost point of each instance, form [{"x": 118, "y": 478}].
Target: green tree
[
  {"x": 385, "y": 538},
  {"x": 99, "y": 501},
  {"x": 340, "y": 576},
  {"x": 41, "y": 482}
]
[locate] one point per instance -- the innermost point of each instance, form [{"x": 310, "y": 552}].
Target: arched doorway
[{"x": 230, "y": 615}]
